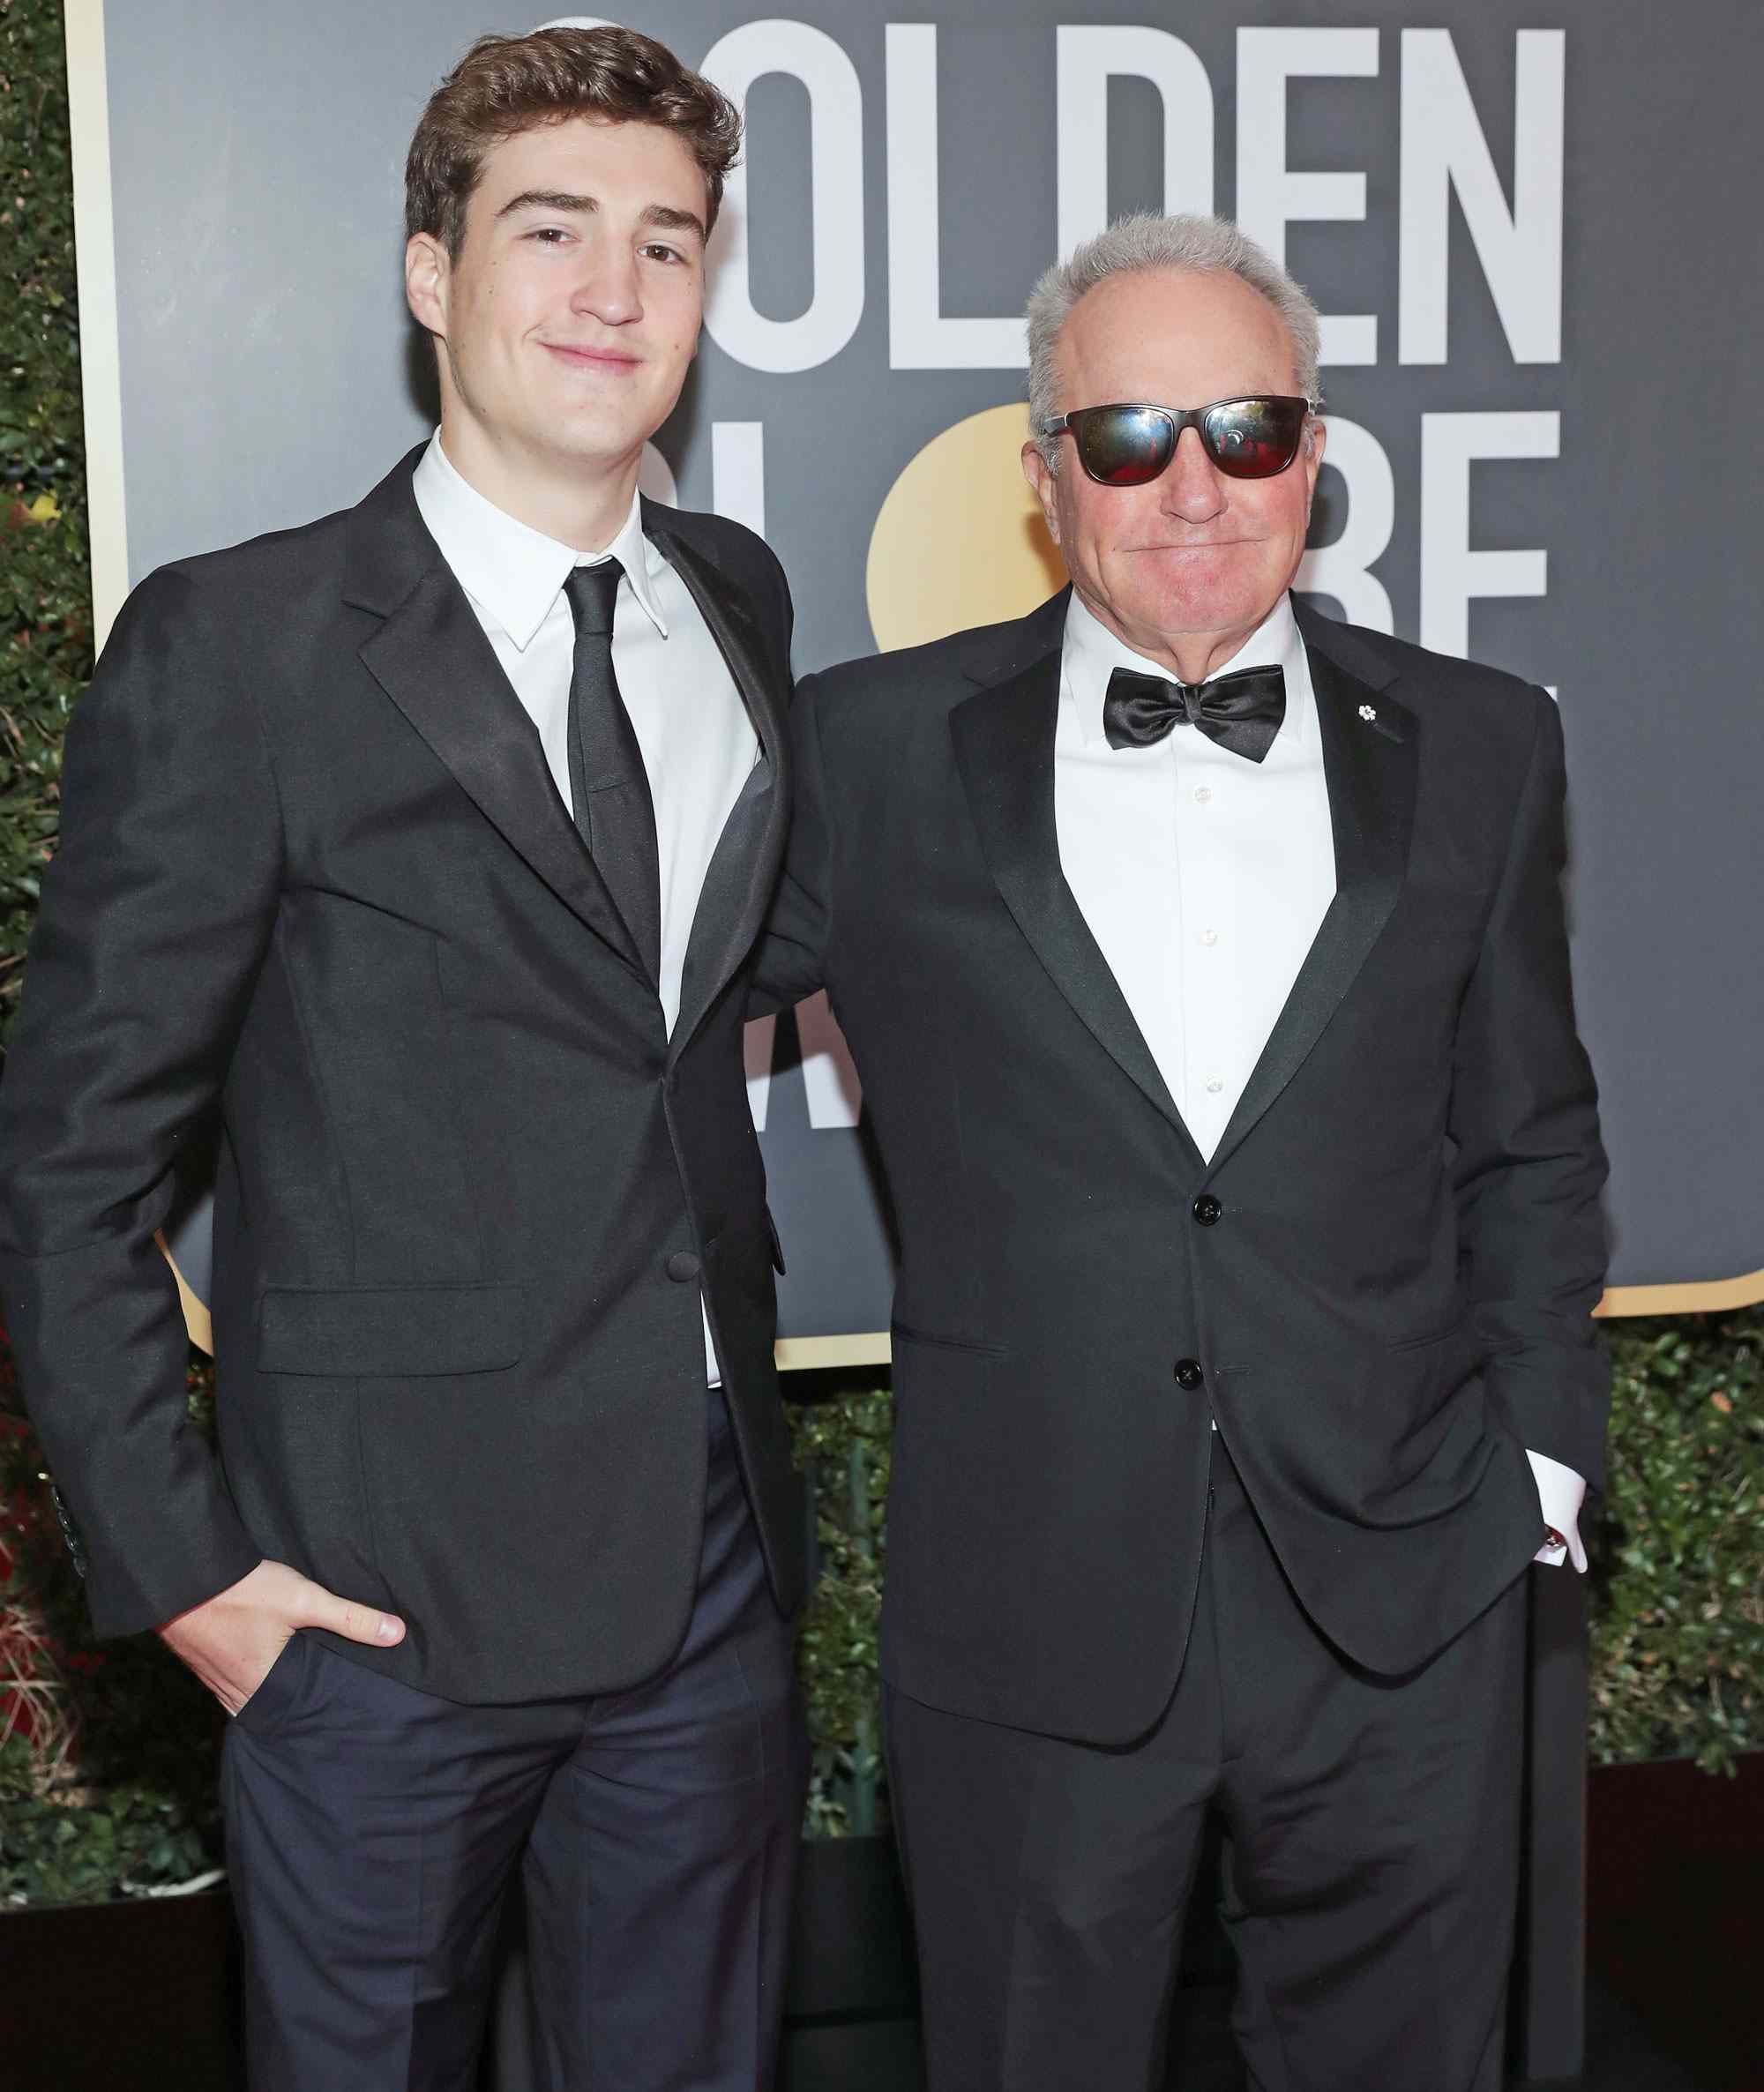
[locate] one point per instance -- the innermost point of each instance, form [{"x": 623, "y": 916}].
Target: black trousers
[
  {"x": 1372, "y": 1829},
  {"x": 373, "y": 1831}
]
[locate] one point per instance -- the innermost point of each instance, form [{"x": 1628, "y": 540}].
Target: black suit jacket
[
  {"x": 314, "y": 873},
  {"x": 1392, "y": 1301}
]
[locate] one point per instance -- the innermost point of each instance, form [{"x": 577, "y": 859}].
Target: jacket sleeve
[
  {"x": 792, "y": 955},
  {"x": 1529, "y": 1167},
  {"x": 155, "y": 918}
]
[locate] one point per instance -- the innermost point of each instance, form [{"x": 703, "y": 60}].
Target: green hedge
[
  {"x": 45, "y": 601},
  {"x": 112, "y": 1791},
  {"x": 1678, "y": 1588}
]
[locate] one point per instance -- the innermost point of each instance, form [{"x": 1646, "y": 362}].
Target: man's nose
[
  {"x": 607, "y": 287},
  {"x": 1192, "y": 486}
]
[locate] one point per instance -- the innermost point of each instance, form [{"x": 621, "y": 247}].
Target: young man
[
  {"x": 1205, "y": 965},
  {"x": 426, "y": 846}
]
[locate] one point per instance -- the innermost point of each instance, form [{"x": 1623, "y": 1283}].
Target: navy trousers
[
  {"x": 373, "y": 1832},
  {"x": 1372, "y": 1855}
]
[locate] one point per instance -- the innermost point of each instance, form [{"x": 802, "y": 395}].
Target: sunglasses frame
[{"x": 1176, "y": 419}]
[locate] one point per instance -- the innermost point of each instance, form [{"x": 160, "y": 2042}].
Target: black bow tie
[{"x": 1241, "y": 712}]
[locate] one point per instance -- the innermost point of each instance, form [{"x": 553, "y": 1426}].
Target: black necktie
[
  {"x": 1241, "y": 710},
  {"x": 608, "y": 782}
]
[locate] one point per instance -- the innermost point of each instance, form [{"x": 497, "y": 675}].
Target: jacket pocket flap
[{"x": 391, "y": 1331}]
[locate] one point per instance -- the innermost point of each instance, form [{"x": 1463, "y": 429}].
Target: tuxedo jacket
[
  {"x": 315, "y": 878},
  {"x": 1379, "y": 1283}
]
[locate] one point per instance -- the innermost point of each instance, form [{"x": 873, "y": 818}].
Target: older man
[{"x": 1203, "y": 962}]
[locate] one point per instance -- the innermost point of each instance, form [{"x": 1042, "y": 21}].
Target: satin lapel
[
  {"x": 1003, "y": 740},
  {"x": 433, "y": 661},
  {"x": 744, "y": 865},
  {"x": 1369, "y": 766}
]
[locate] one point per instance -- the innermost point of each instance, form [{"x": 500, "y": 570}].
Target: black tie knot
[{"x": 593, "y": 592}]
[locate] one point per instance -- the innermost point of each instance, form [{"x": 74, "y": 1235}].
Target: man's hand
[{"x": 230, "y": 1641}]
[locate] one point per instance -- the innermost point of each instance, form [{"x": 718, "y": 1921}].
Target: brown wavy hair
[{"x": 507, "y": 85}]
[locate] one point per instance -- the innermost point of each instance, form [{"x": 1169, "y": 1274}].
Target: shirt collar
[
  {"x": 1093, "y": 653},
  {"x": 515, "y": 572}
]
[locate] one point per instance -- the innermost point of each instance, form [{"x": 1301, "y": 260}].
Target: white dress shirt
[
  {"x": 1203, "y": 876},
  {"x": 1204, "y": 879},
  {"x": 697, "y": 741}
]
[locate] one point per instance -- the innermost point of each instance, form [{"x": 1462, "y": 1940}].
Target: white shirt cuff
[{"x": 1560, "y": 1493}]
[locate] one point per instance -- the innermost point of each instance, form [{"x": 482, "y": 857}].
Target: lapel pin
[{"x": 1368, "y": 712}]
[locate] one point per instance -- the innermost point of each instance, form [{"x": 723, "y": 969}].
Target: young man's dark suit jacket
[
  {"x": 314, "y": 872},
  {"x": 1380, "y": 1282}
]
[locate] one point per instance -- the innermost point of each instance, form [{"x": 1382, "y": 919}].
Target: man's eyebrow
[
  {"x": 547, "y": 200},
  {"x": 673, "y": 220}
]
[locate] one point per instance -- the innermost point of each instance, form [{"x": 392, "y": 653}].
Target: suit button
[
  {"x": 682, "y": 1268},
  {"x": 1188, "y": 1373},
  {"x": 1206, "y": 1209}
]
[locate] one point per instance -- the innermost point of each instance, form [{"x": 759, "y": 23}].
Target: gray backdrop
[{"x": 1534, "y": 230}]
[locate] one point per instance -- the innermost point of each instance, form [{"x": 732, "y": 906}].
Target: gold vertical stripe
[{"x": 197, "y": 1319}]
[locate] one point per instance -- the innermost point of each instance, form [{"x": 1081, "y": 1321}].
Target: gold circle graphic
[{"x": 959, "y": 540}]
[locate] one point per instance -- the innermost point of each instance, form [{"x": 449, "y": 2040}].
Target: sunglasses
[{"x": 1252, "y": 438}]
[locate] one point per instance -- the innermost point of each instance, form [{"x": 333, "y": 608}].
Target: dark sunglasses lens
[
  {"x": 1122, "y": 446},
  {"x": 1252, "y": 439}
]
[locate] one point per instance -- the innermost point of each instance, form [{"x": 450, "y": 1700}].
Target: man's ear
[
  {"x": 1044, "y": 485},
  {"x": 1316, "y": 436},
  {"x": 427, "y": 281}
]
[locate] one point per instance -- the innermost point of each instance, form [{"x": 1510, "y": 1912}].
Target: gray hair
[{"x": 1202, "y": 246}]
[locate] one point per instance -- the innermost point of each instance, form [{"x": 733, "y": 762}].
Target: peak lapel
[
  {"x": 1003, "y": 741},
  {"x": 738, "y": 884},
  {"x": 1368, "y": 767},
  {"x": 433, "y": 661}
]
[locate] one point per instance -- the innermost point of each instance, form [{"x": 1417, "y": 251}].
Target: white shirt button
[
  {"x": 1215, "y": 1084},
  {"x": 1209, "y": 937},
  {"x": 1203, "y": 794}
]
